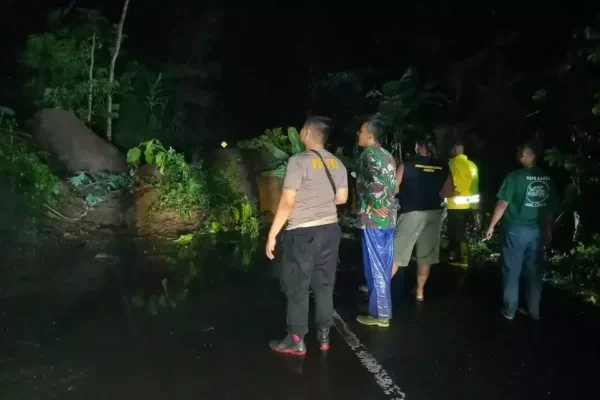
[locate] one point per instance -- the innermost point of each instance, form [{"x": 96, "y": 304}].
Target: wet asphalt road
[{"x": 455, "y": 345}]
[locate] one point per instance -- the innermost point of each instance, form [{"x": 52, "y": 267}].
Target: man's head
[
  {"x": 315, "y": 131},
  {"x": 371, "y": 132},
  {"x": 425, "y": 146},
  {"x": 529, "y": 152},
  {"x": 457, "y": 149}
]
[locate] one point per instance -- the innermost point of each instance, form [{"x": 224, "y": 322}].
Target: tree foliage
[
  {"x": 571, "y": 103},
  {"x": 408, "y": 108},
  {"x": 70, "y": 66}
]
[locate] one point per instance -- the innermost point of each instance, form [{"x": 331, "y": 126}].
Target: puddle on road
[
  {"x": 165, "y": 274},
  {"x": 87, "y": 290},
  {"x": 89, "y": 305}
]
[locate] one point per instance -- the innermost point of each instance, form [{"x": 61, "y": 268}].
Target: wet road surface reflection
[{"x": 214, "y": 344}]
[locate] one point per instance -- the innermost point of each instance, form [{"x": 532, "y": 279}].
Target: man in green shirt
[{"x": 526, "y": 204}]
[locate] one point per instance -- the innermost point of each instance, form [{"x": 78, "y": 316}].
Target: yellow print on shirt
[
  {"x": 318, "y": 164},
  {"x": 428, "y": 168}
]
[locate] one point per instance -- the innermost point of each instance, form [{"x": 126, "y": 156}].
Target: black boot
[
  {"x": 323, "y": 339},
  {"x": 292, "y": 344}
]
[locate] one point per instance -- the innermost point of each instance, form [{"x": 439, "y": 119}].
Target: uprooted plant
[{"x": 95, "y": 188}]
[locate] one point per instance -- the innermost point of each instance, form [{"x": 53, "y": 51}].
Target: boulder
[
  {"x": 269, "y": 189},
  {"x": 243, "y": 163},
  {"x": 147, "y": 174},
  {"x": 72, "y": 145},
  {"x": 110, "y": 212},
  {"x": 144, "y": 200},
  {"x": 168, "y": 224}
]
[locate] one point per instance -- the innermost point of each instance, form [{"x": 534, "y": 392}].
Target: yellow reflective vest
[{"x": 466, "y": 182}]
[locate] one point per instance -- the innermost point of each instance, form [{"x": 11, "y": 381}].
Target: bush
[
  {"x": 277, "y": 149},
  {"x": 187, "y": 189},
  {"x": 182, "y": 187},
  {"x": 578, "y": 268},
  {"x": 22, "y": 166}
]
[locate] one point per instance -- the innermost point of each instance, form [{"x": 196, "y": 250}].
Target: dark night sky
[{"x": 269, "y": 52}]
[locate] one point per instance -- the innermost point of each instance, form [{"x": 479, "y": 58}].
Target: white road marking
[{"x": 383, "y": 379}]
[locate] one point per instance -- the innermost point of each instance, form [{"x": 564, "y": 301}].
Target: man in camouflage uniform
[{"x": 376, "y": 186}]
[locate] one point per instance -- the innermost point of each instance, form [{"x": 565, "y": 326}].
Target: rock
[
  {"x": 72, "y": 145},
  {"x": 144, "y": 199},
  {"x": 269, "y": 189},
  {"x": 147, "y": 174},
  {"x": 168, "y": 224},
  {"x": 111, "y": 211},
  {"x": 243, "y": 163}
]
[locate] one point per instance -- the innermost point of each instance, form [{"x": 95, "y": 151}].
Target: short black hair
[
  {"x": 375, "y": 126},
  {"x": 429, "y": 142},
  {"x": 535, "y": 146},
  {"x": 321, "y": 125}
]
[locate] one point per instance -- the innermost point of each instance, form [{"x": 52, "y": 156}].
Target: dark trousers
[
  {"x": 309, "y": 260},
  {"x": 522, "y": 255},
  {"x": 457, "y": 231}
]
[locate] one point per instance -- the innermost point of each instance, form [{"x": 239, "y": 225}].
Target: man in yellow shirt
[{"x": 465, "y": 202}]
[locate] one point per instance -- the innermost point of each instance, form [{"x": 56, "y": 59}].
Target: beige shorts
[{"x": 420, "y": 228}]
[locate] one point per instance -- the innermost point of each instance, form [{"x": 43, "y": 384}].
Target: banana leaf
[
  {"x": 294, "y": 137},
  {"x": 276, "y": 152},
  {"x": 279, "y": 172}
]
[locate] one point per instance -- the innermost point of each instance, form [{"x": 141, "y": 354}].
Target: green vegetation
[
  {"x": 577, "y": 270},
  {"x": 23, "y": 166},
  {"x": 409, "y": 108},
  {"x": 96, "y": 188},
  {"x": 276, "y": 149},
  {"x": 230, "y": 209},
  {"x": 73, "y": 66},
  {"x": 182, "y": 187},
  {"x": 189, "y": 190}
]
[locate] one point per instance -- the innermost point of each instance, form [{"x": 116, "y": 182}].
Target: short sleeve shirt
[
  {"x": 315, "y": 198},
  {"x": 530, "y": 194}
]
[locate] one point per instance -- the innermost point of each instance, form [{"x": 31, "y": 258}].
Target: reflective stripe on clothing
[
  {"x": 466, "y": 183},
  {"x": 461, "y": 200}
]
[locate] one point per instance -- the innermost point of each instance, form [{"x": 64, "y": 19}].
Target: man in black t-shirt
[{"x": 423, "y": 182}]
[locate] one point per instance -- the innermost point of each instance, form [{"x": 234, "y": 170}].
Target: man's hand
[
  {"x": 382, "y": 212},
  {"x": 270, "y": 247},
  {"x": 489, "y": 233}
]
